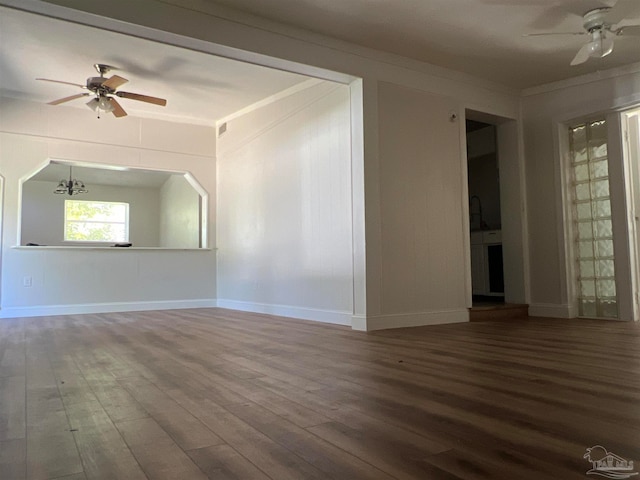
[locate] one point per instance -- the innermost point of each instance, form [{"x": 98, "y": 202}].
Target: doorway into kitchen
[
  {"x": 485, "y": 225},
  {"x": 497, "y": 282}
]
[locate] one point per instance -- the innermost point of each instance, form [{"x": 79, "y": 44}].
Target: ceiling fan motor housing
[
  {"x": 95, "y": 84},
  {"x": 595, "y": 19}
]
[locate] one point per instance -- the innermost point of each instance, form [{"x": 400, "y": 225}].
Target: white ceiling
[
  {"x": 199, "y": 88},
  {"x": 480, "y": 37}
]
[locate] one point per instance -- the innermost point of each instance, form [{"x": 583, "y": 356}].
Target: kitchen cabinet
[{"x": 487, "y": 277}]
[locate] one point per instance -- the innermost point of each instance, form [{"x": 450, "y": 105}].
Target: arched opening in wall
[
  {"x": 70, "y": 203},
  {"x": 496, "y": 214}
]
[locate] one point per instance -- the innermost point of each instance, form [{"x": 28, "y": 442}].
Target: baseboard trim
[
  {"x": 551, "y": 310},
  {"x": 419, "y": 319},
  {"x": 318, "y": 315},
  {"x": 359, "y": 323},
  {"x": 78, "y": 309}
]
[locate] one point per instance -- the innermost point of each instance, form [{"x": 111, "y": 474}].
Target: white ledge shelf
[{"x": 91, "y": 247}]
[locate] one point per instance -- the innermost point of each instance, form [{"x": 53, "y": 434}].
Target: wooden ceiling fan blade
[
  {"x": 114, "y": 82},
  {"x": 118, "y": 111},
  {"x": 60, "y": 81},
  {"x": 142, "y": 98},
  {"x": 67, "y": 99}
]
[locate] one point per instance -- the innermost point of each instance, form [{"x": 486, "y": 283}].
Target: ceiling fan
[
  {"x": 603, "y": 25},
  {"x": 104, "y": 91}
]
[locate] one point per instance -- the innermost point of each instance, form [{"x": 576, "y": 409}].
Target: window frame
[{"x": 126, "y": 221}]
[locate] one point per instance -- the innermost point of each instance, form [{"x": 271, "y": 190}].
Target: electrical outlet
[{"x": 27, "y": 282}]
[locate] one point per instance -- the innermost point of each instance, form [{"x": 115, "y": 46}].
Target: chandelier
[{"x": 71, "y": 186}]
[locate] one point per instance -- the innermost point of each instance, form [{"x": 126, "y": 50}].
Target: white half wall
[
  {"x": 284, "y": 207},
  {"x": 82, "y": 279}
]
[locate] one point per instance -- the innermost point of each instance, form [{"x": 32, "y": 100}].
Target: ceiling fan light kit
[
  {"x": 599, "y": 47},
  {"x": 100, "y": 104},
  {"x": 104, "y": 91}
]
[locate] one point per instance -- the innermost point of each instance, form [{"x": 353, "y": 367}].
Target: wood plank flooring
[{"x": 213, "y": 393}]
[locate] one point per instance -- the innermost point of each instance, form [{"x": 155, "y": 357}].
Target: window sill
[{"x": 96, "y": 247}]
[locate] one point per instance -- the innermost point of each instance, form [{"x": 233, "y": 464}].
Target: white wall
[
  {"x": 84, "y": 280},
  {"x": 284, "y": 207},
  {"x": 421, "y": 215},
  {"x": 43, "y": 212},
  {"x": 545, "y": 111},
  {"x": 179, "y": 214}
]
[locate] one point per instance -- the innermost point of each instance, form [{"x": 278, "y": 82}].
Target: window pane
[
  {"x": 600, "y": 169},
  {"x": 604, "y": 228},
  {"x": 588, "y": 288},
  {"x": 585, "y": 231},
  {"x": 601, "y": 188},
  {"x": 98, "y": 211},
  {"x": 581, "y": 172},
  {"x": 96, "y": 232},
  {"x": 605, "y": 268},
  {"x": 578, "y": 134},
  {"x": 597, "y": 131},
  {"x": 609, "y": 308},
  {"x": 587, "y": 269},
  {"x": 88, "y": 221},
  {"x": 588, "y": 307},
  {"x": 584, "y": 211},
  {"x": 606, "y": 288},
  {"x": 598, "y": 149},
  {"x": 583, "y": 192},
  {"x": 585, "y": 249},
  {"x": 605, "y": 248},
  {"x": 602, "y": 208}
]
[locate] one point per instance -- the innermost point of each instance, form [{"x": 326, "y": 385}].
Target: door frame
[{"x": 513, "y": 205}]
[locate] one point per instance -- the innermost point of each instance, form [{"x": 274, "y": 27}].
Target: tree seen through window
[{"x": 89, "y": 221}]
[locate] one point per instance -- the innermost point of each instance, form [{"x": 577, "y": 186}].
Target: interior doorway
[
  {"x": 485, "y": 223},
  {"x": 497, "y": 212}
]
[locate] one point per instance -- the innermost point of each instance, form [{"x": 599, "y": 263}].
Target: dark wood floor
[{"x": 214, "y": 393}]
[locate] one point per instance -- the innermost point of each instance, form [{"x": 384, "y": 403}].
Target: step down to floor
[{"x": 505, "y": 311}]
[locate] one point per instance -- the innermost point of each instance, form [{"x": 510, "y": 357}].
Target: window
[
  {"x": 593, "y": 251},
  {"x": 88, "y": 221}
]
